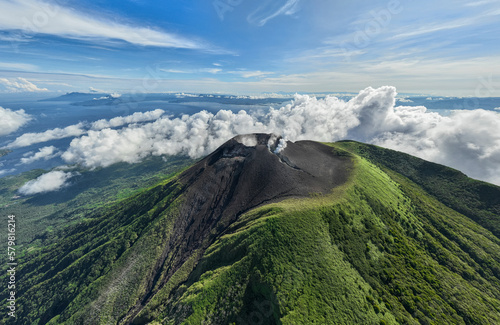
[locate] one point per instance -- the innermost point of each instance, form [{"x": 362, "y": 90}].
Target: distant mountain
[
  {"x": 76, "y": 97},
  {"x": 259, "y": 233}
]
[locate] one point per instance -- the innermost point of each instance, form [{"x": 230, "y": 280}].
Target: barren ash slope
[{"x": 264, "y": 231}]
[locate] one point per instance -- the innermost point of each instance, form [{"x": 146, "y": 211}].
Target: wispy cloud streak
[{"x": 34, "y": 16}]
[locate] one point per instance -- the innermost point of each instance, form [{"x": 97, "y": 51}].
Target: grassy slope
[
  {"x": 478, "y": 200},
  {"x": 378, "y": 250}
]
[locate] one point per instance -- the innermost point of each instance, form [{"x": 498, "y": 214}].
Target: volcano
[
  {"x": 248, "y": 171},
  {"x": 268, "y": 231}
]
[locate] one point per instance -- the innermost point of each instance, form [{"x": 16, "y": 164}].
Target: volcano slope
[{"x": 344, "y": 233}]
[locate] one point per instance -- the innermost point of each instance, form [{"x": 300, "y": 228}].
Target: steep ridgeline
[{"x": 264, "y": 231}]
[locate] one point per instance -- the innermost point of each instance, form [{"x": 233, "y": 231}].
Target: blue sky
[{"x": 242, "y": 46}]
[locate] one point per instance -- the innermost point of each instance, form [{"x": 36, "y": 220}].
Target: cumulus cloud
[
  {"x": 197, "y": 135},
  {"x": 466, "y": 140},
  {"x": 45, "y": 153},
  {"x": 193, "y": 135},
  {"x": 11, "y": 121},
  {"x": 79, "y": 129},
  {"x": 52, "y": 181},
  {"x": 17, "y": 85},
  {"x": 28, "y": 139}
]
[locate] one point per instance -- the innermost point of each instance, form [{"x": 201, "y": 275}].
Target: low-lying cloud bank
[
  {"x": 466, "y": 140},
  {"x": 52, "y": 181},
  {"x": 81, "y": 128},
  {"x": 28, "y": 139}
]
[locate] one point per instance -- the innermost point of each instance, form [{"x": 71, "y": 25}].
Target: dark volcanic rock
[{"x": 245, "y": 173}]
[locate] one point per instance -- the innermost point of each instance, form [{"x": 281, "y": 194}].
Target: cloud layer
[
  {"x": 122, "y": 120},
  {"x": 28, "y": 139},
  {"x": 79, "y": 129},
  {"x": 11, "y": 121},
  {"x": 466, "y": 140},
  {"x": 50, "y": 182}
]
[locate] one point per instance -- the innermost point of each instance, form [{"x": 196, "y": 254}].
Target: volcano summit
[{"x": 248, "y": 171}]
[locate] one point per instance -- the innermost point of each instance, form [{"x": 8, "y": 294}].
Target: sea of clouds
[{"x": 467, "y": 140}]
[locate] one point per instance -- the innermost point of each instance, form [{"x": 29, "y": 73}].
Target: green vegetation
[
  {"x": 39, "y": 215},
  {"x": 387, "y": 247},
  {"x": 477, "y": 200}
]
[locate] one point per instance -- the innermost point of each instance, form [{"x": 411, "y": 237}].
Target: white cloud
[
  {"x": 265, "y": 96},
  {"x": 52, "y": 181},
  {"x": 183, "y": 95},
  {"x": 193, "y": 135},
  {"x": 45, "y": 153},
  {"x": 18, "y": 85},
  {"x": 12, "y": 38},
  {"x": 201, "y": 133},
  {"x": 28, "y": 139},
  {"x": 466, "y": 140},
  {"x": 427, "y": 29},
  {"x": 5, "y": 171},
  {"x": 34, "y": 16},
  {"x": 251, "y": 74},
  {"x": 18, "y": 66},
  {"x": 242, "y": 73},
  {"x": 177, "y": 71},
  {"x": 110, "y": 96},
  {"x": 122, "y": 120},
  {"x": 95, "y": 90},
  {"x": 211, "y": 70},
  {"x": 190, "y": 71},
  {"x": 272, "y": 9},
  {"x": 79, "y": 129},
  {"x": 11, "y": 121}
]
